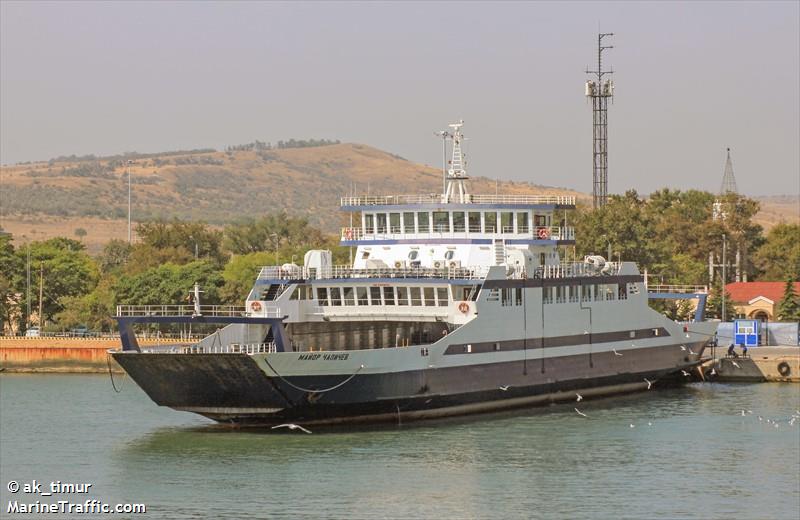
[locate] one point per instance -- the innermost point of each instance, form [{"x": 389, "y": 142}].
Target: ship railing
[
  {"x": 389, "y": 311},
  {"x": 576, "y": 269},
  {"x": 681, "y": 289},
  {"x": 232, "y": 348},
  {"x": 536, "y": 233},
  {"x": 345, "y": 271},
  {"x": 438, "y": 198},
  {"x": 181, "y": 310}
]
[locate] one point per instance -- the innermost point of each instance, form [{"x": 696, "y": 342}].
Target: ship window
[
  {"x": 322, "y": 295},
  {"x": 423, "y": 351},
  {"x": 459, "y": 223},
  {"x": 381, "y": 217},
  {"x": 475, "y": 291},
  {"x": 416, "y": 296},
  {"x": 402, "y": 296},
  {"x": 441, "y": 294},
  {"x": 394, "y": 222},
  {"x": 448, "y": 255},
  {"x": 507, "y": 222},
  {"x": 369, "y": 223},
  {"x": 506, "y": 297},
  {"x": 408, "y": 222},
  {"x": 348, "y": 296},
  {"x": 490, "y": 222},
  {"x": 539, "y": 220},
  {"x": 388, "y": 295},
  {"x": 522, "y": 222},
  {"x": 623, "y": 291},
  {"x": 474, "y": 222},
  {"x": 336, "y": 296},
  {"x": 361, "y": 293},
  {"x": 441, "y": 222},
  {"x": 429, "y": 301},
  {"x": 375, "y": 295},
  {"x": 423, "y": 222},
  {"x": 412, "y": 255},
  {"x": 365, "y": 255},
  {"x": 518, "y": 296}
]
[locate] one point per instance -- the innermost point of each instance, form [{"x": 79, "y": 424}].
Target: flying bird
[
  {"x": 291, "y": 427},
  {"x": 684, "y": 372},
  {"x": 683, "y": 348},
  {"x": 691, "y": 353},
  {"x": 615, "y": 352},
  {"x": 649, "y": 383},
  {"x": 504, "y": 388},
  {"x": 734, "y": 363},
  {"x": 649, "y": 423},
  {"x": 743, "y": 414},
  {"x": 713, "y": 371},
  {"x": 581, "y": 413},
  {"x": 579, "y": 397},
  {"x": 633, "y": 425}
]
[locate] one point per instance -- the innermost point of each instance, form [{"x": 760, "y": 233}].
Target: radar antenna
[{"x": 456, "y": 188}]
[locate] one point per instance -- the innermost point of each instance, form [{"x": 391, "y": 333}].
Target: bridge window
[
  {"x": 381, "y": 218},
  {"x": 474, "y": 222},
  {"x": 388, "y": 295},
  {"x": 522, "y": 222},
  {"x": 394, "y": 222},
  {"x": 348, "y": 295},
  {"x": 490, "y": 222},
  {"x": 423, "y": 222},
  {"x": 459, "y": 223},
  {"x": 361, "y": 293},
  {"x": 429, "y": 298},
  {"x": 441, "y": 222},
  {"x": 375, "y": 295},
  {"x": 402, "y": 296},
  {"x": 322, "y": 295},
  {"x": 416, "y": 296},
  {"x": 441, "y": 294},
  {"x": 539, "y": 220},
  {"x": 369, "y": 223},
  {"x": 408, "y": 223},
  {"x": 507, "y": 222},
  {"x": 336, "y": 296}
]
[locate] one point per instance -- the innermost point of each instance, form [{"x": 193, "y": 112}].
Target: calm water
[{"x": 699, "y": 459}]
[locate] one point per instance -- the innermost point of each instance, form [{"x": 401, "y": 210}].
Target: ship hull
[{"x": 247, "y": 390}]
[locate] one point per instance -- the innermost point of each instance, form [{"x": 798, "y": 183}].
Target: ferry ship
[{"x": 454, "y": 303}]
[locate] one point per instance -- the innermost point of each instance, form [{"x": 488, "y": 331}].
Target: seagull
[
  {"x": 504, "y": 388},
  {"x": 691, "y": 353},
  {"x": 633, "y": 425},
  {"x": 291, "y": 427},
  {"x": 760, "y": 418},
  {"x": 713, "y": 371},
  {"x": 749, "y": 411},
  {"x": 734, "y": 363},
  {"x": 683, "y": 348},
  {"x": 743, "y": 414},
  {"x": 792, "y": 420},
  {"x": 615, "y": 352},
  {"x": 579, "y": 398},
  {"x": 649, "y": 423},
  {"x": 776, "y": 425},
  {"x": 581, "y": 413},
  {"x": 649, "y": 383},
  {"x": 684, "y": 372}
]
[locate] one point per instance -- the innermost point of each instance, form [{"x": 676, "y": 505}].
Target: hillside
[{"x": 59, "y": 196}]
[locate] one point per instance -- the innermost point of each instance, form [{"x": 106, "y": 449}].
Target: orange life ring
[
  {"x": 348, "y": 234},
  {"x": 463, "y": 307},
  {"x": 255, "y": 306},
  {"x": 543, "y": 233}
]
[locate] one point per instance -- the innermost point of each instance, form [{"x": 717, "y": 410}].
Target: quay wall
[
  {"x": 62, "y": 354},
  {"x": 763, "y": 364}
]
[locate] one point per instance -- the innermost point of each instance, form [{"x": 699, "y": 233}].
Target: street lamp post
[{"x": 724, "y": 273}]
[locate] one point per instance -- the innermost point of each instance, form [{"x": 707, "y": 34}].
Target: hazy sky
[{"x": 692, "y": 79}]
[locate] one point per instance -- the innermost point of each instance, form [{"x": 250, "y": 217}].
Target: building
[{"x": 758, "y": 300}]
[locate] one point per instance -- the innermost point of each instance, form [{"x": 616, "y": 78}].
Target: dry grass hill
[{"x": 57, "y": 197}]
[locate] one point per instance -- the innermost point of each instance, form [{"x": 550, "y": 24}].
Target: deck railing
[
  {"x": 346, "y": 271},
  {"x": 438, "y": 198},
  {"x": 575, "y": 269},
  {"x": 181, "y": 310},
  {"x": 680, "y": 289},
  {"x": 233, "y": 348}
]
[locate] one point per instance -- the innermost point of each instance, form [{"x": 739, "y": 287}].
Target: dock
[{"x": 762, "y": 364}]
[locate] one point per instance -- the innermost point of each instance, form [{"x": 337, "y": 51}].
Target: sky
[{"x": 691, "y": 80}]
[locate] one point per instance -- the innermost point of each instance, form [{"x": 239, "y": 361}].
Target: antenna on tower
[
  {"x": 600, "y": 91},
  {"x": 457, "y": 173},
  {"x": 728, "y": 180}
]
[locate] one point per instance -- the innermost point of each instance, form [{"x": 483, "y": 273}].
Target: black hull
[{"x": 231, "y": 388}]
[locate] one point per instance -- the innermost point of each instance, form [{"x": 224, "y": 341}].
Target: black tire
[{"x": 784, "y": 369}]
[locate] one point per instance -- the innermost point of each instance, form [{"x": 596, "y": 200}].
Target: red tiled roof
[{"x": 743, "y": 292}]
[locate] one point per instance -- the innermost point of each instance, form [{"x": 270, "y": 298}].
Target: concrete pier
[{"x": 763, "y": 364}]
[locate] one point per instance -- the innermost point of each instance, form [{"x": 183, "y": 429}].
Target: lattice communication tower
[{"x": 600, "y": 90}]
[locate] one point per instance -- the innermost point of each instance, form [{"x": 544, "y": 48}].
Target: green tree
[
  {"x": 240, "y": 274},
  {"x": 115, "y": 256},
  {"x": 779, "y": 257},
  {"x": 95, "y": 310},
  {"x": 180, "y": 242},
  {"x": 12, "y": 286},
  {"x": 789, "y": 306},
  {"x": 271, "y": 232},
  {"x": 714, "y": 303},
  {"x": 170, "y": 284}
]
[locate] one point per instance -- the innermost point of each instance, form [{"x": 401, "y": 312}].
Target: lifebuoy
[
  {"x": 348, "y": 233},
  {"x": 784, "y": 369},
  {"x": 463, "y": 307},
  {"x": 543, "y": 233},
  {"x": 255, "y": 306}
]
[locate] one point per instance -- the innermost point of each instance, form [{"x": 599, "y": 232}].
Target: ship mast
[{"x": 456, "y": 188}]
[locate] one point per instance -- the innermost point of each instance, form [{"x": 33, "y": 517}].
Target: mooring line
[
  {"x": 111, "y": 375},
  {"x": 334, "y": 387}
]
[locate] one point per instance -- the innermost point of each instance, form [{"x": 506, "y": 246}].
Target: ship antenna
[{"x": 457, "y": 173}]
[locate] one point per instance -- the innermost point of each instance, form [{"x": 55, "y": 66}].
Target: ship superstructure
[{"x": 454, "y": 303}]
